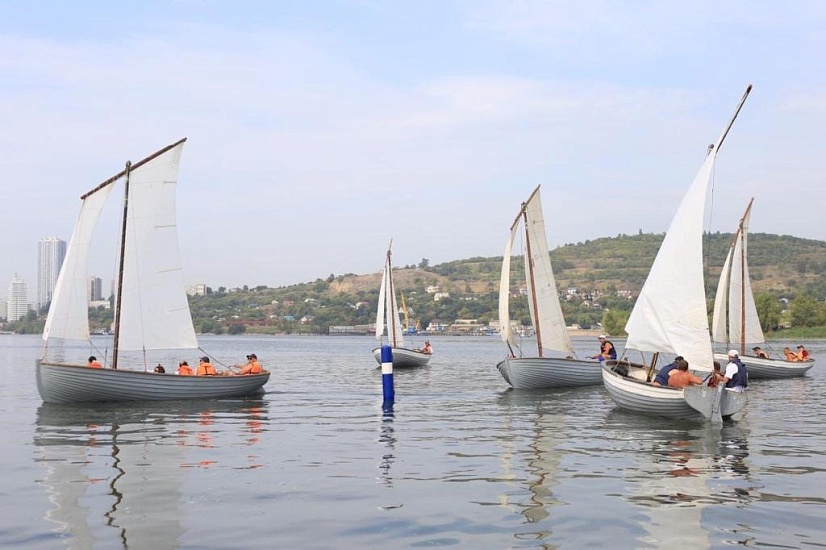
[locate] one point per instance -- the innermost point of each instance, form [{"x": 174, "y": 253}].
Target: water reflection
[
  {"x": 115, "y": 474},
  {"x": 542, "y": 418},
  {"x": 387, "y": 438},
  {"x": 680, "y": 470}
]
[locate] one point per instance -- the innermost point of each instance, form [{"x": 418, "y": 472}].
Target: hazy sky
[{"x": 318, "y": 130}]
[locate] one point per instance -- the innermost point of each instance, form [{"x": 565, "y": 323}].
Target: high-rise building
[
  {"x": 50, "y": 254},
  {"x": 95, "y": 289},
  {"x": 17, "y": 305}
]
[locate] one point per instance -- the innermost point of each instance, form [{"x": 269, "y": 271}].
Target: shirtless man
[{"x": 681, "y": 378}]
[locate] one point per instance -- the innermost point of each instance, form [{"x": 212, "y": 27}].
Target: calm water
[{"x": 462, "y": 462}]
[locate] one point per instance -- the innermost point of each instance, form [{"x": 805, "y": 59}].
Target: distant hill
[
  {"x": 781, "y": 265},
  {"x": 782, "y": 268}
]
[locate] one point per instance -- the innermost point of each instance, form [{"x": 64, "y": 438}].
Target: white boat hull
[
  {"x": 769, "y": 368},
  {"x": 634, "y": 394},
  {"x": 549, "y": 372},
  {"x": 405, "y": 358},
  {"x": 64, "y": 383}
]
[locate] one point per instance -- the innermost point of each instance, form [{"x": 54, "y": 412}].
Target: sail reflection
[{"x": 115, "y": 474}]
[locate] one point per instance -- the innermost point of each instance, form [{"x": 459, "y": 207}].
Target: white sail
[
  {"x": 388, "y": 309},
  {"x": 154, "y": 308},
  {"x": 670, "y": 314},
  {"x": 719, "y": 327},
  {"x": 735, "y": 317},
  {"x": 381, "y": 306},
  {"x": 505, "y": 331},
  {"x": 548, "y": 319},
  {"x": 68, "y": 317}
]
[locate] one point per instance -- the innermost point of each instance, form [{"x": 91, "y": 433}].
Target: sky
[{"x": 319, "y": 131}]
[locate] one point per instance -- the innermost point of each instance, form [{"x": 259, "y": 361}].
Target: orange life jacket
[
  {"x": 94, "y": 365},
  {"x": 185, "y": 370},
  {"x": 206, "y": 369}
]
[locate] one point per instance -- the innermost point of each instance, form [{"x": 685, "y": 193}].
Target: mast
[
  {"x": 716, "y": 148},
  {"x": 121, "y": 261}
]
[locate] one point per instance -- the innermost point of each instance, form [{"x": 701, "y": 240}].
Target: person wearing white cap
[
  {"x": 736, "y": 377},
  {"x": 606, "y": 350}
]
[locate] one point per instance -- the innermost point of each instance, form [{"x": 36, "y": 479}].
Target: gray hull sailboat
[{"x": 152, "y": 317}]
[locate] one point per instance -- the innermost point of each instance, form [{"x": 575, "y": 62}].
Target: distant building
[
  {"x": 198, "y": 290},
  {"x": 51, "y": 252},
  {"x": 432, "y": 289},
  {"x": 95, "y": 290},
  {"x": 16, "y": 305},
  {"x": 441, "y": 296},
  {"x": 3, "y": 310}
]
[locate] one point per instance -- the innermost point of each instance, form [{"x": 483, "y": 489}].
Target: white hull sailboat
[
  {"x": 152, "y": 317},
  {"x": 388, "y": 310},
  {"x": 669, "y": 317},
  {"x": 544, "y": 370},
  {"x": 735, "y": 321}
]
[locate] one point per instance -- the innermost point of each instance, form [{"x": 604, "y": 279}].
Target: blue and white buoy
[{"x": 387, "y": 378}]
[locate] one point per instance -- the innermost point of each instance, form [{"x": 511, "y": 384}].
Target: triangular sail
[
  {"x": 543, "y": 298},
  {"x": 388, "y": 309},
  {"x": 735, "y": 318},
  {"x": 154, "y": 308},
  {"x": 542, "y": 292},
  {"x": 505, "y": 331},
  {"x": 68, "y": 317},
  {"x": 670, "y": 313}
]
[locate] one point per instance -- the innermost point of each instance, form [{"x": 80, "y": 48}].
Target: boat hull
[
  {"x": 549, "y": 372},
  {"x": 65, "y": 383},
  {"x": 405, "y": 358},
  {"x": 634, "y": 394},
  {"x": 769, "y": 368}
]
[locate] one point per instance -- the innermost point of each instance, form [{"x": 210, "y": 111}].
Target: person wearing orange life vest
[
  {"x": 206, "y": 368},
  {"x": 184, "y": 369},
  {"x": 93, "y": 363},
  {"x": 252, "y": 366}
]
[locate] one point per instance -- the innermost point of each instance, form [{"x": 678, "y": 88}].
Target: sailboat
[
  {"x": 388, "y": 310},
  {"x": 669, "y": 317},
  {"x": 152, "y": 318},
  {"x": 735, "y": 321},
  {"x": 542, "y": 370}
]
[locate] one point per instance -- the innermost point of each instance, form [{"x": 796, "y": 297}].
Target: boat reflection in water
[
  {"x": 681, "y": 472},
  {"x": 115, "y": 474},
  {"x": 535, "y": 415}
]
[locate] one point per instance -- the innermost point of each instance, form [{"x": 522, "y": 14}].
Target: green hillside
[{"x": 599, "y": 280}]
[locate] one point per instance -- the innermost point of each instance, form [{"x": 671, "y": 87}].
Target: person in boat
[
  {"x": 426, "y": 348},
  {"x": 716, "y": 375},
  {"x": 159, "y": 369},
  {"x": 736, "y": 377},
  {"x": 93, "y": 363},
  {"x": 681, "y": 378},
  {"x": 662, "y": 377},
  {"x": 802, "y": 354},
  {"x": 205, "y": 368},
  {"x": 758, "y": 352},
  {"x": 184, "y": 369},
  {"x": 606, "y": 349},
  {"x": 252, "y": 366},
  {"x": 790, "y": 355}
]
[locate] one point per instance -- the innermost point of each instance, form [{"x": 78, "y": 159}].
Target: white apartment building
[
  {"x": 16, "y": 305},
  {"x": 50, "y": 254}
]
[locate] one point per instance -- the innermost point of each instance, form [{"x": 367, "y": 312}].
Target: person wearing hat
[
  {"x": 758, "y": 351},
  {"x": 736, "y": 377},
  {"x": 802, "y": 354},
  {"x": 205, "y": 368},
  {"x": 252, "y": 366},
  {"x": 606, "y": 349}
]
